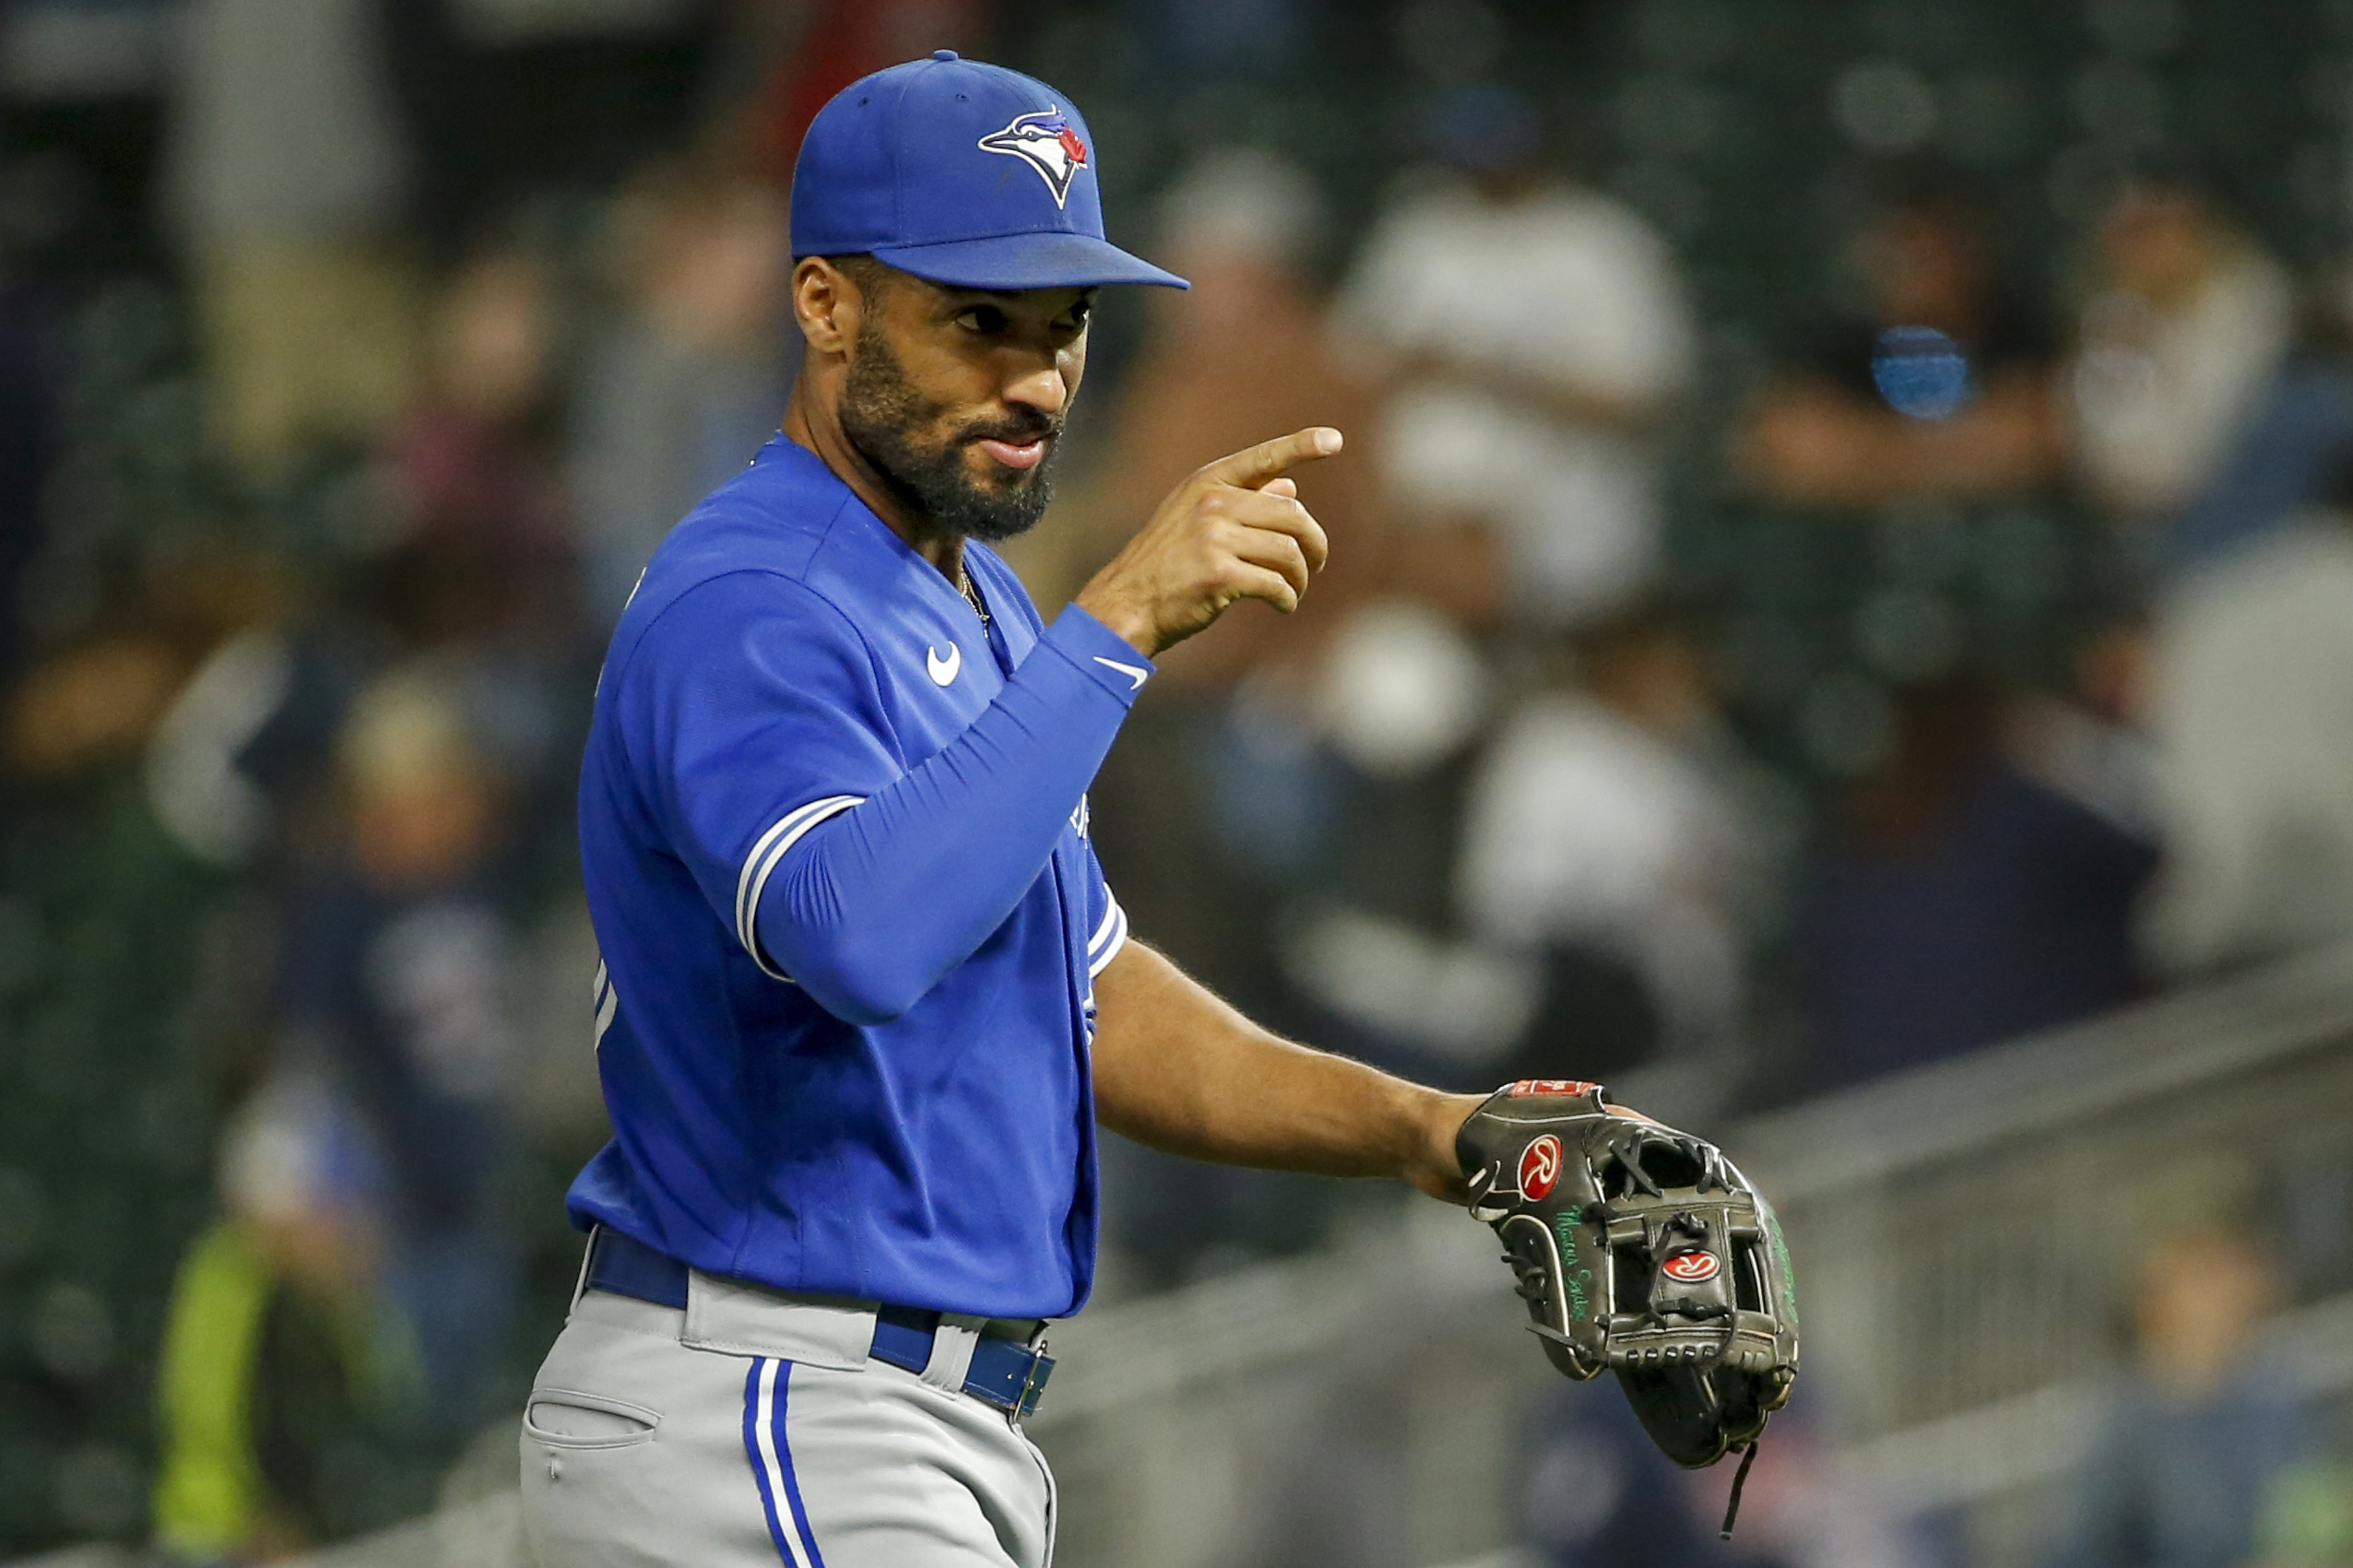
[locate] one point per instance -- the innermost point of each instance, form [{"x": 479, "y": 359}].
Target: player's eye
[{"x": 986, "y": 320}]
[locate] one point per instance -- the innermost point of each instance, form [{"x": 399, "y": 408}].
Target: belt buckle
[{"x": 1041, "y": 1367}]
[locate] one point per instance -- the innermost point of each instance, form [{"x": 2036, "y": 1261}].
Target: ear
[{"x": 827, "y": 304}]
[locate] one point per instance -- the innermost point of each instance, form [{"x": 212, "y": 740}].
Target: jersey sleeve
[
  {"x": 843, "y": 868},
  {"x": 871, "y": 912},
  {"x": 753, "y": 714}
]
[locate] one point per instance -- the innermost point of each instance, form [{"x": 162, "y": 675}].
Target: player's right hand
[{"x": 1235, "y": 530}]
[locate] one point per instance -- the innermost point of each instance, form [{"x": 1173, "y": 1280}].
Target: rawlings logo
[
  {"x": 1539, "y": 1168},
  {"x": 1047, "y": 143},
  {"x": 1528, "y": 1086},
  {"x": 1691, "y": 1267}
]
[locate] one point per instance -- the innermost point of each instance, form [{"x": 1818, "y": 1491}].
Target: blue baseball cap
[{"x": 961, "y": 172}]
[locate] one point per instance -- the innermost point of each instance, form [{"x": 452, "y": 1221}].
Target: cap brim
[{"x": 1011, "y": 261}]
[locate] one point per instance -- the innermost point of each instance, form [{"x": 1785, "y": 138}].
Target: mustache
[{"x": 1018, "y": 430}]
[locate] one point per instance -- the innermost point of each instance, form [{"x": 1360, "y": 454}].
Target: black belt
[{"x": 1004, "y": 1373}]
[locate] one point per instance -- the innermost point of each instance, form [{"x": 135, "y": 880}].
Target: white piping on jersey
[
  {"x": 607, "y": 1005},
  {"x": 761, "y": 861},
  {"x": 1110, "y": 918},
  {"x": 1108, "y": 938},
  {"x": 624, "y": 606}
]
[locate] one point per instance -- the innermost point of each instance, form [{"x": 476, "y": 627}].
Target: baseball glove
[{"x": 1642, "y": 1250}]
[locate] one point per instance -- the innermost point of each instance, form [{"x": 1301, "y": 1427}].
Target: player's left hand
[
  {"x": 1438, "y": 1170},
  {"x": 1641, "y": 1250}
]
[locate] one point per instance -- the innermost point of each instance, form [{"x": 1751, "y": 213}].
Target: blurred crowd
[
  {"x": 321, "y": 486},
  {"x": 1488, "y": 808}
]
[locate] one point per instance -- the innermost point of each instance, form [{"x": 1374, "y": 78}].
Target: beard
[{"x": 882, "y": 413}]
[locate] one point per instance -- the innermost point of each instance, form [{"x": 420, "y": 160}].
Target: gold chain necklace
[{"x": 972, "y": 594}]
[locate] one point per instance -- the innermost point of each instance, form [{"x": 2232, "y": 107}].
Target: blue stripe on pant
[{"x": 766, "y": 1389}]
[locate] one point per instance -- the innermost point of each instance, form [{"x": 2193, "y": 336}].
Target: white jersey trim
[
  {"x": 762, "y": 862},
  {"x": 1108, "y": 938},
  {"x": 607, "y": 1005},
  {"x": 1110, "y": 920}
]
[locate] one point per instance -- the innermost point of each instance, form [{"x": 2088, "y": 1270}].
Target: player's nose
[{"x": 1043, "y": 388}]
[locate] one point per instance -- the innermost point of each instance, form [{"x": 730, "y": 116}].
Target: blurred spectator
[
  {"x": 1967, "y": 894},
  {"x": 2252, "y": 634},
  {"x": 288, "y": 174},
  {"x": 1599, "y": 843},
  {"x": 462, "y": 455},
  {"x": 464, "y": 559},
  {"x": 1530, "y": 334},
  {"x": 1833, "y": 428},
  {"x": 690, "y": 376},
  {"x": 2187, "y": 322},
  {"x": 2201, "y": 1435},
  {"x": 470, "y": 465},
  {"x": 395, "y": 969},
  {"x": 1536, "y": 335},
  {"x": 2290, "y": 450},
  {"x": 453, "y": 604},
  {"x": 2252, "y": 717},
  {"x": 464, "y": 550},
  {"x": 283, "y": 1391},
  {"x": 470, "y": 559}
]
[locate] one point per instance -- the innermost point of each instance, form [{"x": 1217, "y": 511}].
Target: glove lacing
[{"x": 1740, "y": 1478}]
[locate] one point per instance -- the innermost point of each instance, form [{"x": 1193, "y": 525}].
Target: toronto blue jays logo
[{"x": 1047, "y": 143}]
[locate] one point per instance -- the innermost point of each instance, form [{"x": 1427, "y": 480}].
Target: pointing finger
[{"x": 1255, "y": 466}]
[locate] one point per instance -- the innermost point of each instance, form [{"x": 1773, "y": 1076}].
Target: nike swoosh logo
[
  {"x": 1132, "y": 672},
  {"x": 943, "y": 671}
]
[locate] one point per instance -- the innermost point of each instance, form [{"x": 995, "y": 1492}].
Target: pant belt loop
[{"x": 952, "y": 1352}]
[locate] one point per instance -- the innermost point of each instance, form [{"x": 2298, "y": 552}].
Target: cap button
[{"x": 943, "y": 54}]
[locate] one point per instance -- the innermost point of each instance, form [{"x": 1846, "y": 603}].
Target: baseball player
[{"x": 864, "y": 994}]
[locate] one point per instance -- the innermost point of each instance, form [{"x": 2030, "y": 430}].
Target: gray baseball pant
[{"x": 752, "y": 1429}]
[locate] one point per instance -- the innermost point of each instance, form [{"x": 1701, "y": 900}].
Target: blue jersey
[{"x": 835, "y": 838}]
